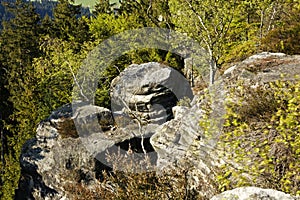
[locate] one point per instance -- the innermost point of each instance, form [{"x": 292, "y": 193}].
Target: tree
[
  {"x": 103, "y": 6},
  {"x": 68, "y": 24},
  {"x": 206, "y": 21},
  {"x": 150, "y": 12},
  {"x": 19, "y": 46},
  {"x": 228, "y": 29},
  {"x": 285, "y": 35},
  {"x": 54, "y": 72}
]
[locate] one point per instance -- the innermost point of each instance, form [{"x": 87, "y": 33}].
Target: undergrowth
[
  {"x": 133, "y": 178},
  {"x": 261, "y": 137}
]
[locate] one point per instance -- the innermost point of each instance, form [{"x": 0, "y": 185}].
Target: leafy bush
[
  {"x": 284, "y": 38},
  {"x": 261, "y": 138}
]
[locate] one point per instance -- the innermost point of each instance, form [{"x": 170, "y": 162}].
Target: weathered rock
[
  {"x": 47, "y": 162},
  {"x": 178, "y": 134},
  {"x": 179, "y": 111},
  {"x": 181, "y": 141},
  {"x": 58, "y": 156},
  {"x": 265, "y": 67},
  {"x": 253, "y": 193},
  {"x": 149, "y": 91},
  {"x": 67, "y": 143},
  {"x": 55, "y": 157},
  {"x": 94, "y": 115}
]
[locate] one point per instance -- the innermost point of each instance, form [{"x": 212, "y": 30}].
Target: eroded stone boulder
[
  {"x": 63, "y": 154},
  {"x": 143, "y": 92},
  {"x": 149, "y": 91}
]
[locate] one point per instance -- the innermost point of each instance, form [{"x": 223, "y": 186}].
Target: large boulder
[
  {"x": 149, "y": 91},
  {"x": 50, "y": 159},
  {"x": 253, "y": 193},
  {"x": 68, "y": 149}
]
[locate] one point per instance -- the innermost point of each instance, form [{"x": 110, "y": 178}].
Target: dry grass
[{"x": 129, "y": 180}]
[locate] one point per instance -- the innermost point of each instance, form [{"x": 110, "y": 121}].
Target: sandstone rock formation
[
  {"x": 54, "y": 156},
  {"x": 149, "y": 91},
  {"x": 173, "y": 138},
  {"x": 74, "y": 141},
  {"x": 181, "y": 141},
  {"x": 253, "y": 193},
  {"x": 57, "y": 156}
]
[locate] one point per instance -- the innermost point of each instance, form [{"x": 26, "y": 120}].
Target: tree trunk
[{"x": 212, "y": 71}]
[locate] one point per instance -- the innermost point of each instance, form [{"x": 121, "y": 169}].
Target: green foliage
[
  {"x": 232, "y": 30},
  {"x": 37, "y": 81},
  {"x": 39, "y": 58},
  {"x": 206, "y": 21},
  {"x": 283, "y": 38},
  {"x": 185, "y": 101},
  {"x": 11, "y": 170},
  {"x": 66, "y": 24},
  {"x": 18, "y": 48},
  {"x": 54, "y": 72},
  {"x": 261, "y": 138},
  {"x": 239, "y": 52},
  {"x": 103, "y": 6},
  {"x": 154, "y": 13}
]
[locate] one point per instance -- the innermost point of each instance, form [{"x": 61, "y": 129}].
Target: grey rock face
[
  {"x": 58, "y": 156},
  {"x": 55, "y": 157},
  {"x": 90, "y": 119},
  {"x": 149, "y": 91},
  {"x": 173, "y": 139},
  {"x": 253, "y": 193},
  {"x": 265, "y": 67},
  {"x": 181, "y": 141}
]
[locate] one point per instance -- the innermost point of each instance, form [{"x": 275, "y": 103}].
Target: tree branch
[{"x": 76, "y": 82}]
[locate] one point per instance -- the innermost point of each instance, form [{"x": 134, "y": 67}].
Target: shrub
[
  {"x": 284, "y": 38},
  {"x": 261, "y": 137}
]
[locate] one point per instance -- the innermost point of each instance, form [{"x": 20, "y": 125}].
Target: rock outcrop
[
  {"x": 68, "y": 149},
  {"x": 144, "y": 108},
  {"x": 253, "y": 193},
  {"x": 149, "y": 91},
  {"x": 181, "y": 141},
  {"x": 265, "y": 67},
  {"x": 173, "y": 138},
  {"x": 53, "y": 158}
]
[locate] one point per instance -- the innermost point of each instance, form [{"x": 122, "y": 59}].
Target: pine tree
[
  {"x": 46, "y": 25},
  {"x": 103, "y": 6},
  {"x": 19, "y": 46},
  {"x": 68, "y": 24}
]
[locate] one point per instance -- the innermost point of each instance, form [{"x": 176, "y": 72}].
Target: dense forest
[
  {"x": 43, "y": 8},
  {"x": 43, "y": 43}
]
